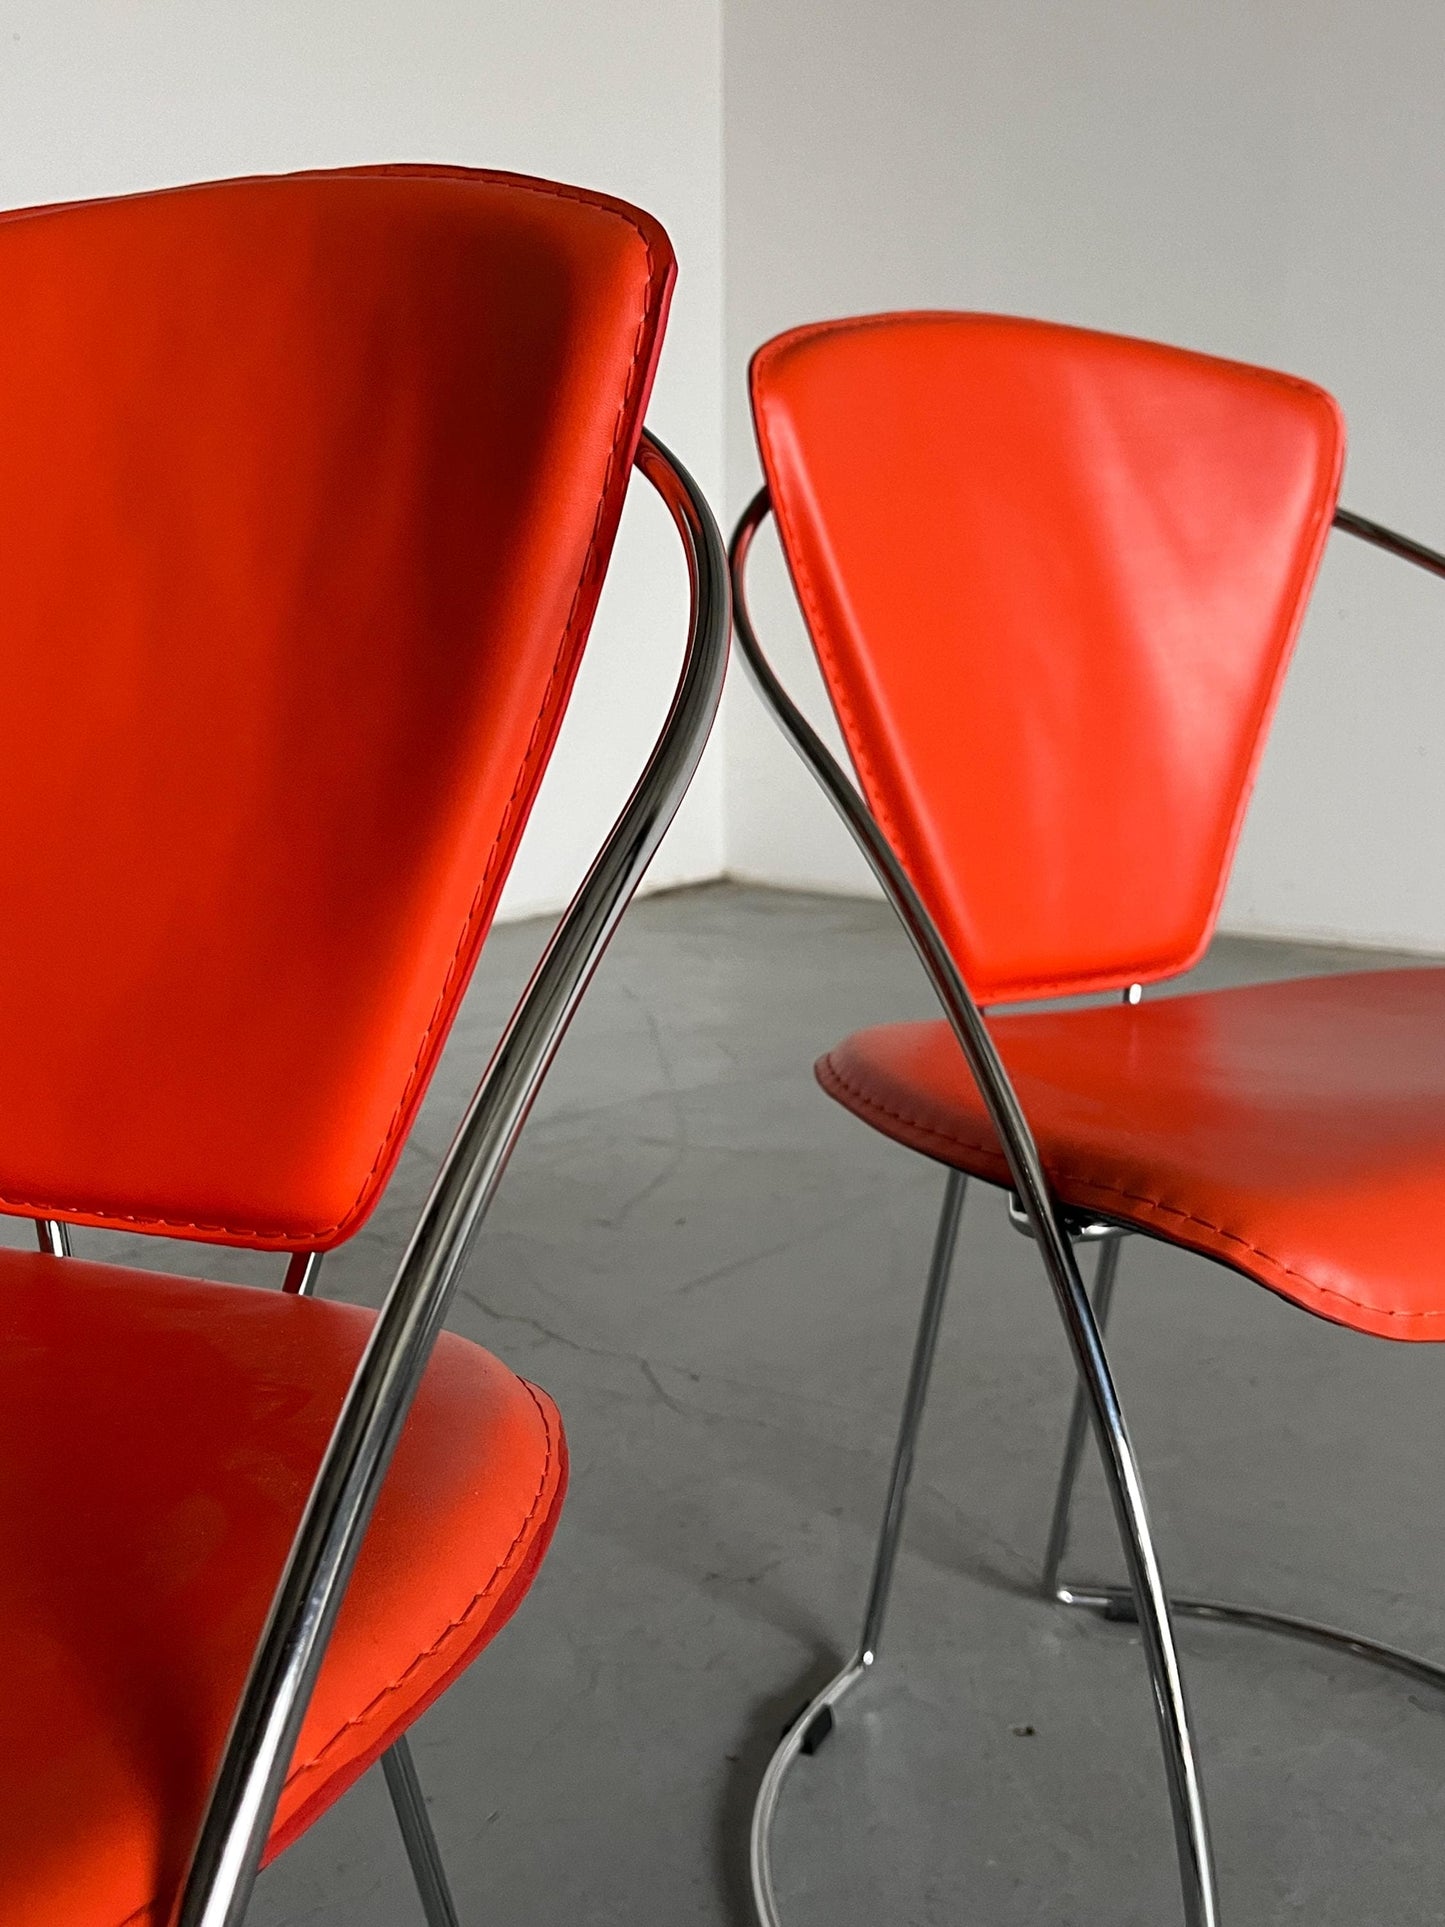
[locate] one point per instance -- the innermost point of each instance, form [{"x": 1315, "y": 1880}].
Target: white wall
[
  {"x": 101, "y": 98},
  {"x": 1262, "y": 181}
]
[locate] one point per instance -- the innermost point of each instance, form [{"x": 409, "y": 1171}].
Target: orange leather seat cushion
[
  {"x": 1295, "y": 1131},
  {"x": 158, "y": 1437}
]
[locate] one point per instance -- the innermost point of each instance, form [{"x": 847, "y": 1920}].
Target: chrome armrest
[
  {"x": 268, "y": 1720},
  {"x": 1047, "y": 1223},
  {"x": 1035, "y": 1197},
  {"x": 962, "y": 1012},
  {"x": 1380, "y": 537}
]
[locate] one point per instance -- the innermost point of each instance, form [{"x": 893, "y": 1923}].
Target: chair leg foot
[
  {"x": 815, "y": 1731},
  {"x": 416, "y": 1831}
]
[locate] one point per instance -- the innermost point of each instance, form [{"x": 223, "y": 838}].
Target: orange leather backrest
[
  {"x": 307, "y": 488},
  {"x": 1053, "y": 578}
]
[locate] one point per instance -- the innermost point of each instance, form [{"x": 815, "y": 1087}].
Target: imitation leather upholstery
[
  {"x": 1295, "y": 1131},
  {"x": 1052, "y": 578},
  {"x": 307, "y": 487},
  {"x": 158, "y": 1437}
]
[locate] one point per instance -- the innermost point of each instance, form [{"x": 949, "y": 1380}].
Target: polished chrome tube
[
  {"x": 268, "y": 1719},
  {"x": 302, "y": 1272},
  {"x": 925, "y": 1344},
  {"x": 1105, "y": 1272},
  {"x": 1397, "y": 545},
  {"x": 53, "y": 1237},
  {"x": 1114, "y": 1602},
  {"x": 801, "y": 1735},
  {"x": 797, "y": 1739},
  {"x": 1081, "y": 1231},
  {"x": 1031, "y": 1185},
  {"x": 409, "y": 1803}
]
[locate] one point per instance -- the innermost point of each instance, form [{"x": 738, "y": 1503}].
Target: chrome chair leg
[
  {"x": 53, "y": 1237},
  {"x": 302, "y": 1270},
  {"x": 813, "y": 1725},
  {"x": 1146, "y": 1599},
  {"x": 925, "y": 1344},
  {"x": 1105, "y": 1271},
  {"x": 1149, "y": 1603},
  {"x": 417, "y": 1836}
]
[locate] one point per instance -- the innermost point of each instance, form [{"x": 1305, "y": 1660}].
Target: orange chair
[
  {"x": 1053, "y": 579},
  {"x": 307, "y": 489}
]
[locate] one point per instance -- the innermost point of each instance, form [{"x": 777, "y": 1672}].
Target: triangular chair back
[
  {"x": 308, "y": 488},
  {"x": 1053, "y": 578}
]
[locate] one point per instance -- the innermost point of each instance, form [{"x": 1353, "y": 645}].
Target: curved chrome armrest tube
[
  {"x": 1050, "y": 1231},
  {"x": 1030, "y": 1186},
  {"x": 1380, "y": 537},
  {"x": 269, "y": 1717},
  {"x": 964, "y": 1015}
]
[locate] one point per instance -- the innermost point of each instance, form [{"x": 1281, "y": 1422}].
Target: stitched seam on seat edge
[
  {"x": 522, "y": 1535},
  {"x": 1117, "y": 1191},
  {"x": 297, "y": 1772}
]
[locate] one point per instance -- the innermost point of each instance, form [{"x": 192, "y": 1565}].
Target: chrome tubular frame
[
  {"x": 1400, "y": 546},
  {"x": 806, "y": 1733},
  {"x": 1033, "y": 1211},
  {"x": 303, "y": 1611},
  {"x": 1106, "y": 1271},
  {"x": 1051, "y": 1234},
  {"x": 1114, "y": 1602},
  {"x": 53, "y": 1237},
  {"x": 409, "y": 1804},
  {"x": 301, "y": 1273}
]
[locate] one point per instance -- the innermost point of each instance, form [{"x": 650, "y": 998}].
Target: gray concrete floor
[{"x": 716, "y": 1273}]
